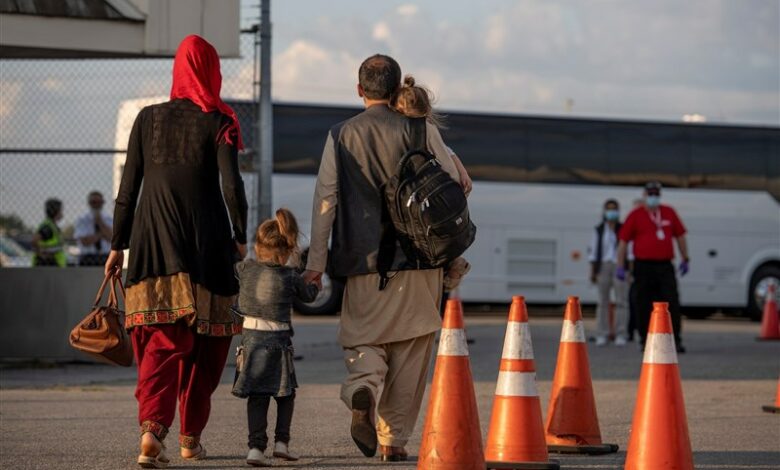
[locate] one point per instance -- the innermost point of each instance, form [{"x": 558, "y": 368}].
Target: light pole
[{"x": 264, "y": 144}]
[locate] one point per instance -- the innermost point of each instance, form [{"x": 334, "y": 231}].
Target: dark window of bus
[
  {"x": 300, "y": 133},
  {"x": 773, "y": 165},
  {"x": 567, "y": 151},
  {"x": 729, "y": 158},
  {"x": 643, "y": 152},
  {"x": 490, "y": 147}
]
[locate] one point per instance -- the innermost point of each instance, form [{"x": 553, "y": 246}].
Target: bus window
[
  {"x": 773, "y": 167},
  {"x": 729, "y": 158},
  {"x": 639, "y": 153},
  {"x": 567, "y": 151},
  {"x": 491, "y": 147}
]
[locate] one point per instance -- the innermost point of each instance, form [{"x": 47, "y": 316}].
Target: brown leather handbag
[{"x": 101, "y": 334}]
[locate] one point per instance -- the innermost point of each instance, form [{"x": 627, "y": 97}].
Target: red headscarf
[{"x": 196, "y": 77}]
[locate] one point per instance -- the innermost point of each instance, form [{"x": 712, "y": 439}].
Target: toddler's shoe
[
  {"x": 256, "y": 458},
  {"x": 281, "y": 451},
  {"x": 601, "y": 341}
]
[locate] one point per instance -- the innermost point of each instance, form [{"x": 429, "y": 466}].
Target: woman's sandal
[
  {"x": 159, "y": 460},
  {"x": 201, "y": 455}
]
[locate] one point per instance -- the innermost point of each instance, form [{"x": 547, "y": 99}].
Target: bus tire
[{"x": 763, "y": 275}]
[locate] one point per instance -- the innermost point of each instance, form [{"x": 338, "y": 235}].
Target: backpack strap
[
  {"x": 419, "y": 134},
  {"x": 386, "y": 253},
  {"x": 387, "y": 245}
]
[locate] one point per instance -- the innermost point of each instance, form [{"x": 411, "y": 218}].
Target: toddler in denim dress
[{"x": 264, "y": 366}]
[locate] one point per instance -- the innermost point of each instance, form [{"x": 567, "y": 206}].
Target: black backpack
[{"x": 426, "y": 211}]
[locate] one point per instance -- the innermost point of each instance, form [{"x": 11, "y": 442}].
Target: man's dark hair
[
  {"x": 380, "y": 77},
  {"x": 52, "y": 207},
  {"x": 611, "y": 201}
]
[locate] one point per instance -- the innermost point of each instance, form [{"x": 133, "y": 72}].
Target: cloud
[
  {"x": 9, "y": 100},
  {"x": 381, "y": 31},
  {"x": 306, "y": 71},
  {"x": 408, "y": 9}
]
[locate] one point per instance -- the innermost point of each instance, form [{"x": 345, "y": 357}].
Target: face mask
[
  {"x": 611, "y": 214},
  {"x": 653, "y": 201}
]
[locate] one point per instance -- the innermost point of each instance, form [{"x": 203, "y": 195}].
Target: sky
[
  {"x": 631, "y": 59},
  {"x": 643, "y": 59}
]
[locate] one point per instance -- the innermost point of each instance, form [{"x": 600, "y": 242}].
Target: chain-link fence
[{"x": 64, "y": 126}]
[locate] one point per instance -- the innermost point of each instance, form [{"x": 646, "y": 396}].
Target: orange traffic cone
[
  {"x": 516, "y": 435},
  {"x": 659, "y": 433},
  {"x": 572, "y": 422},
  {"x": 776, "y": 407},
  {"x": 770, "y": 327},
  {"x": 452, "y": 438}
]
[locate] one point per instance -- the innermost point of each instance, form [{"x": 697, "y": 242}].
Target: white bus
[{"x": 540, "y": 184}]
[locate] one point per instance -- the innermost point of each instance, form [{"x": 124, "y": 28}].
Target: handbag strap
[
  {"x": 102, "y": 289},
  {"x": 115, "y": 277}
]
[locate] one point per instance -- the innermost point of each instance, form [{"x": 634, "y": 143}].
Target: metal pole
[{"x": 264, "y": 157}]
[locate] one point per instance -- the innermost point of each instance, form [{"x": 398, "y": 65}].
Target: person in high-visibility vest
[{"x": 48, "y": 242}]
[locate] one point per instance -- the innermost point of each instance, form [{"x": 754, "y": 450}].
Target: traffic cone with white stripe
[
  {"x": 659, "y": 432},
  {"x": 516, "y": 436},
  {"x": 572, "y": 421},
  {"x": 776, "y": 407},
  {"x": 770, "y": 324},
  {"x": 452, "y": 438}
]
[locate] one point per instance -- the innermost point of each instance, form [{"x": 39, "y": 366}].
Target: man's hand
[
  {"x": 313, "y": 277},
  {"x": 241, "y": 248},
  {"x": 115, "y": 261},
  {"x": 620, "y": 273}
]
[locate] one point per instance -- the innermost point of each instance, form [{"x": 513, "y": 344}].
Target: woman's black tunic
[{"x": 181, "y": 224}]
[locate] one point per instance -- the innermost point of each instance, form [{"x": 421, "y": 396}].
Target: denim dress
[{"x": 264, "y": 366}]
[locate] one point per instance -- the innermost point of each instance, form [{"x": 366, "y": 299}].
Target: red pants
[{"x": 175, "y": 362}]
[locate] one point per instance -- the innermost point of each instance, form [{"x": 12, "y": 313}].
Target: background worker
[
  {"x": 47, "y": 242},
  {"x": 603, "y": 262},
  {"x": 652, "y": 229},
  {"x": 94, "y": 230}
]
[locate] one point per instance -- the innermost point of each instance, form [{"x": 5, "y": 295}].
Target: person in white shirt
[
  {"x": 93, "y": 231},
  {"x": 603, "y": 261}
]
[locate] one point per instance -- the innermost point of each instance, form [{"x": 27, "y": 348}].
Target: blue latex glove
[
  {"x": 684, "y": 268},
  {"x": 620, "y": 273}
]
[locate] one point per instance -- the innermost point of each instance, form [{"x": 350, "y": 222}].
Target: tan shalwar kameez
[{"x": 387, "y": 335}]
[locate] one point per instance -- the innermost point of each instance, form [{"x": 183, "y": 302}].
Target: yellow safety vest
[{"x": 53, "y": 247}]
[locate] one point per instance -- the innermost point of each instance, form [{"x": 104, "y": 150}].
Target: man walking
[
  {"x": 603, "y": 257},
  {"x": 387, "y": 335},
  {"x": 652, "y": 228}
]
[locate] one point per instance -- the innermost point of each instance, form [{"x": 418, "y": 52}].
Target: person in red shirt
[{"x": 652, "y": 228}]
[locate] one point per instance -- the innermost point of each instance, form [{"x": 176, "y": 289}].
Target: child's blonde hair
[
  {"x": 277, "y": 239},
  {"x": 416, "y": 101}
]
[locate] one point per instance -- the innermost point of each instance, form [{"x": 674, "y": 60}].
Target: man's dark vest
[
  {"x": 368, "y": 148},
  {"x": 599, "y": 247}
]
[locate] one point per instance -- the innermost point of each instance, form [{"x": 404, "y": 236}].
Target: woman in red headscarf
[{"x": 180, "y": 282}]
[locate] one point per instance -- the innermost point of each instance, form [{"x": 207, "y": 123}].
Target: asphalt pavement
[{"x": 79, "y": 416}]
